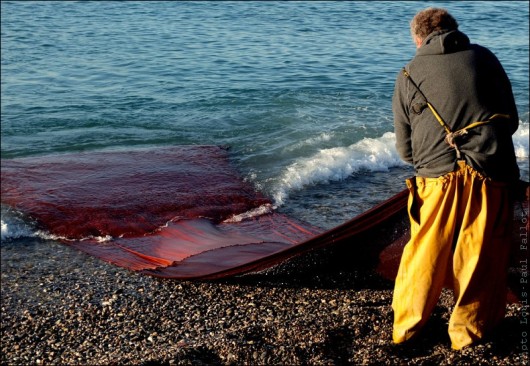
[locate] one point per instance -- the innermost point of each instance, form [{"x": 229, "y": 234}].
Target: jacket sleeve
[
  {"x": 402, "y": 127},
  {"x": 502, "y": 97},
  {"x": 510, "y": 101}
]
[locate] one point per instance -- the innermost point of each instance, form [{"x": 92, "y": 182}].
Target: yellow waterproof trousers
[{"x": 461, "y": 233}]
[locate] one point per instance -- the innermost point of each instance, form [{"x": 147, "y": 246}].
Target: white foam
[
  {"x": 99, "y": 239},
  {"x": 15, "y": 225},
  {"x": 520, "y": 141},
  {"x": 259, "y": 211},
  {"x": 372, "y": 154},
  {"x": 5, "y": 230}
]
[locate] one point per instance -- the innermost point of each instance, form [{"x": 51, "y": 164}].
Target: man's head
[{"x": 430, "y": 20}]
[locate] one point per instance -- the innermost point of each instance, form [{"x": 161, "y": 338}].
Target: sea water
[{"x": 300, "y": 91}]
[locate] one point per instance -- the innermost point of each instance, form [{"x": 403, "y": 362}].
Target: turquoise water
[{"x": 300, "y": 91}]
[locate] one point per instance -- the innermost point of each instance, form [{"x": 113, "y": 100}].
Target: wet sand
[{"x": 60, "y": 306}]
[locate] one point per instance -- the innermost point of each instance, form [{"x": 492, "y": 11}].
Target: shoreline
[{"x": 61, "y": 306}]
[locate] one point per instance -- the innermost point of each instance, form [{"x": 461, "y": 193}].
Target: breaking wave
[{"x": 369, "y": 154}]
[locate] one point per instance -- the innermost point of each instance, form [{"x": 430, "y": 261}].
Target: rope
[{"x": 451, "y": 136}]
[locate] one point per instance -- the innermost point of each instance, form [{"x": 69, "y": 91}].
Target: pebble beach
[
  {"x": 301, "y": 92},
  {"x": 62, "y": 307}
]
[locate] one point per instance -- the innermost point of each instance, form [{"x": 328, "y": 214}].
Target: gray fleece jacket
[{"x": 465, "y": 83}]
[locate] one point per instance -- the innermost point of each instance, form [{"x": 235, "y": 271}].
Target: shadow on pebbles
[{"x": 60, "y": 306}]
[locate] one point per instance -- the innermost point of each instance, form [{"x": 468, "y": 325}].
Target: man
[{"x": 454, "y": 116}]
